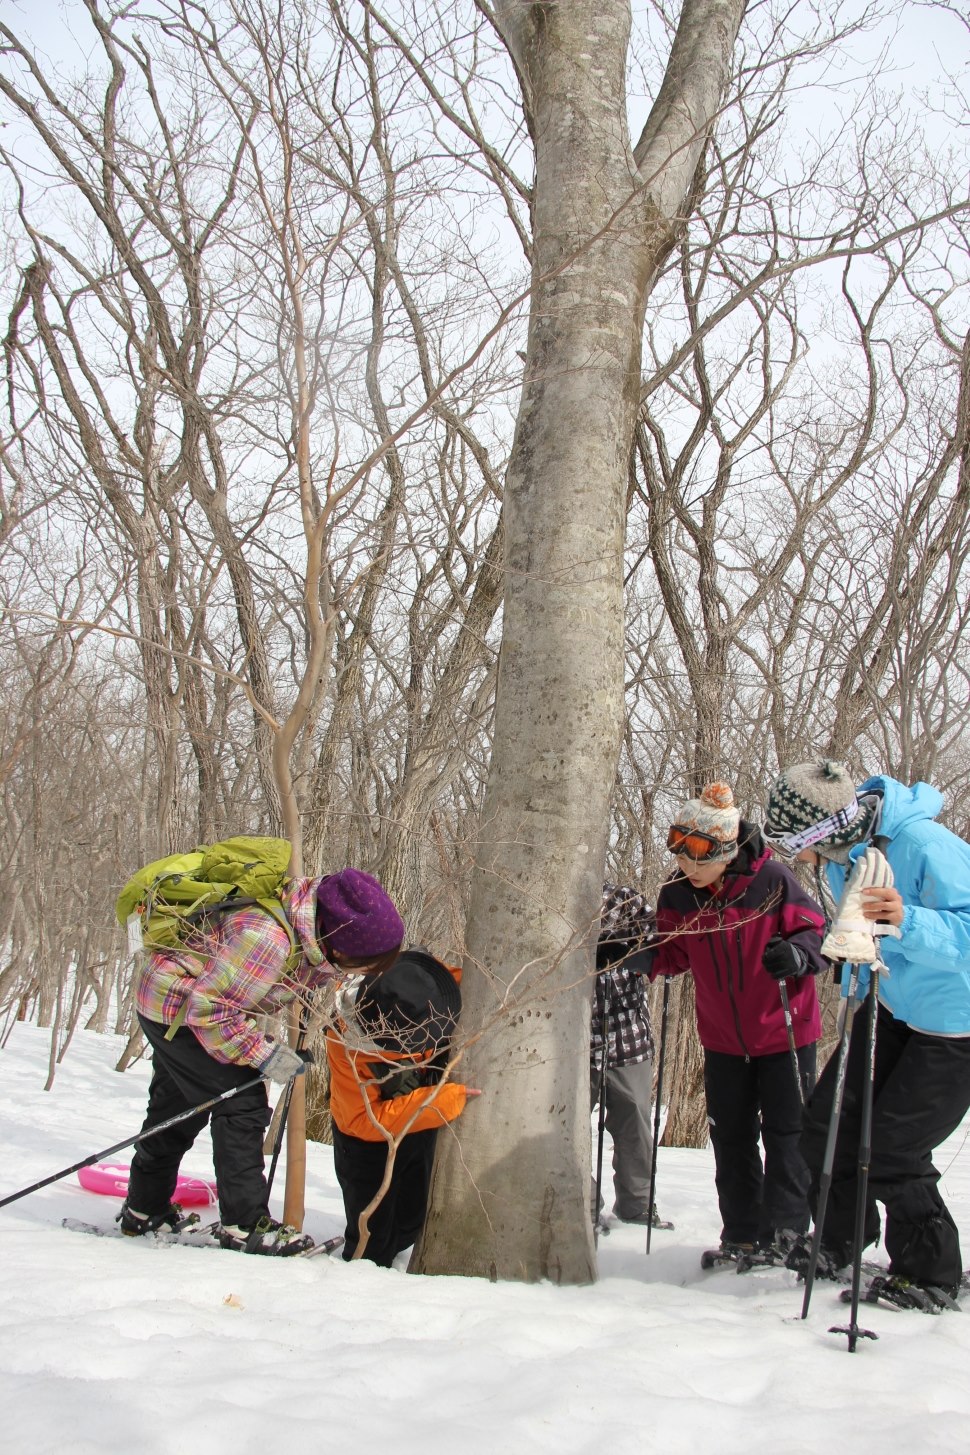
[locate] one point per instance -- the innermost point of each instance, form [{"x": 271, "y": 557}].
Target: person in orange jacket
[{"x": 386, "y": 1055}]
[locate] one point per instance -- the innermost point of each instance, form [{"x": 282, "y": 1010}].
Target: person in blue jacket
[{"x": 816, "y": 815}]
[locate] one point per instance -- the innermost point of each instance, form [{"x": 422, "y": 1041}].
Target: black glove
[
  {"x": 782, "y": 959},
  {"x": 305, "y": 1055},
  {"x": 633, "y": 955},
  {"x": 641, "y": 961}
]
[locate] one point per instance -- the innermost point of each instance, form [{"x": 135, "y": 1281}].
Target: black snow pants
[
  {"x": 751, "y": 1100},
  {"x": 184, "y": 1074},
  {"x": 396, "y": 1222},
  {"x": 921, "y": 1093}
]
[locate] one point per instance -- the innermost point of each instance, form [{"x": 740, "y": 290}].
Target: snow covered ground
[{"x": 122, "y": 1348}]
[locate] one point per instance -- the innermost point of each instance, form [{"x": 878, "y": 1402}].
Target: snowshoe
[
  {"x": 898, "y": 1292},
  {"x": 194, "y": 1234},
  {"x": 267, "y": 1236}
]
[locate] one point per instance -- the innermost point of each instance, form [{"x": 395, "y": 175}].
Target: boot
[
  {"x": 136, "y": 1224},
  {"x": 832, "y": 1259}
]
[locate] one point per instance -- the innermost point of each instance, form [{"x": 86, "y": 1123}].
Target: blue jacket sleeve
[{"x": 931, "y": 868}]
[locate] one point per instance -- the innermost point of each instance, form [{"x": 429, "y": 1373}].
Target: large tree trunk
[{"x": 511, "y": 1191}]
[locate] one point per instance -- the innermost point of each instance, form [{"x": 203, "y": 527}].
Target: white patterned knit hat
[{"x": 815, "y": 805}]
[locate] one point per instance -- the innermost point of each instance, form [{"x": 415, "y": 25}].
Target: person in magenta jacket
[{"x": 737, "y": 919}]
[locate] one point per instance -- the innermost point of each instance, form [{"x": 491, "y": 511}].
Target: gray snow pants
[{"x": 629, "y": 1092}]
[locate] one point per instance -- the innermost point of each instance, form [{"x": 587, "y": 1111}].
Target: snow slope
[{"x": 122, "y": 1348}]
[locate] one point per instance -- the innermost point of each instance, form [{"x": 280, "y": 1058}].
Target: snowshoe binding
[
  {"x": 741, "y": 1256},
  {"x": 136, "y": 1224},
  {"x": 795, "y": 1252},
  {"x": 267, "y": 1236},
  {"x": 651, "y": 1219}
]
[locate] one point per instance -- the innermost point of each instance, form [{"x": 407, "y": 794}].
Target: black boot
[
  {"x": 136, "y": 1224},
  {"x": 832, "y": 1259}
]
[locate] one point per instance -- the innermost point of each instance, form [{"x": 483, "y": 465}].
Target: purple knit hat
[{"x": 355, "y": 916}]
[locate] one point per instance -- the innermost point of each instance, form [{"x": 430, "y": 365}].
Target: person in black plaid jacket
[{"x": 620, "y": 999}]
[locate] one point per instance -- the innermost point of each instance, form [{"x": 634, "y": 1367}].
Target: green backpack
[{"x": 168, "y": 899}]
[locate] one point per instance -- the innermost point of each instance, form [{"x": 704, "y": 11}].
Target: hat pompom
[{"x": 718, "y": 795}]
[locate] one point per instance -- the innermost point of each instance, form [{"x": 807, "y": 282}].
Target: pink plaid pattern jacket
[{"x": 239, "y": 967}]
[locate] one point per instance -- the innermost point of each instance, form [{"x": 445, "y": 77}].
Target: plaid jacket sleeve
[
  {"x": 629, "y": 1034},
  {"x": 243, "y": 972}
]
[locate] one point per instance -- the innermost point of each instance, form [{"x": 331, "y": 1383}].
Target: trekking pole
[
  {"x": 786, "y": 1008},
  {"x": 301, "y": 1041},
  {"x": 865, "y": 1151},
  {"x": 656, "y": 1106},
  {"x": 278, "y": 1142},
  {"x": 598, "y": 1226},
  {"x": 828, "y": 1161},
  {"x": 132, "y": 1141}
]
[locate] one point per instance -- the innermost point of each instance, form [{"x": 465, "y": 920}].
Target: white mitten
[{"x": 852, "y": 936}]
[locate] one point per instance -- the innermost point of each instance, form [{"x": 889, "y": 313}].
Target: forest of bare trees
[{"x": 450, "y": 453}]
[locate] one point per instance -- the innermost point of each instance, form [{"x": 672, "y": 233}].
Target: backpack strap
[
  {"x": 275, "y": 908},
  {"x": 179, "y": 1020}
]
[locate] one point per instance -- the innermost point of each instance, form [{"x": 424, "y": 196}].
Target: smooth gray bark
[{"x": 510, "y": 1196}]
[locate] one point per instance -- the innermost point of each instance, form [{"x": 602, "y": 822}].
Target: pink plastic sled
[{"x": 111, "y": 1179}]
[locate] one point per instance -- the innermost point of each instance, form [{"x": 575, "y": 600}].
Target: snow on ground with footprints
[{"x": 111, "y": 1347}]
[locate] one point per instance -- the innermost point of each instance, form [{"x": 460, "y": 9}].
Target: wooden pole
[{"x": 294, "y": 1192}]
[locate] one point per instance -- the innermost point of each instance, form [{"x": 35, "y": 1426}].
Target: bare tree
[{"x": 513, "y": 1200}]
